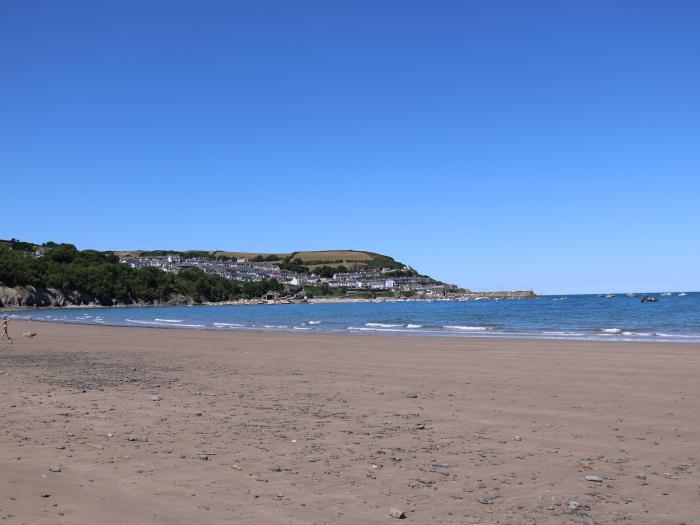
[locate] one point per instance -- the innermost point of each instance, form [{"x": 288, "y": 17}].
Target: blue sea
[{"x": 672, "y": 318}]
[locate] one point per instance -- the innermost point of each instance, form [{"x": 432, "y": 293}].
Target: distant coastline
[
  {"x": 60, "y": 275},
  {"x": 29, "y": 298}
]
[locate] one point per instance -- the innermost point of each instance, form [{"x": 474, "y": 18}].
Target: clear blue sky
[{"x": 541, "y": 144}]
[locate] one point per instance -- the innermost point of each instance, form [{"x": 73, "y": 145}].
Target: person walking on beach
[{"x": 4, "y": 329}]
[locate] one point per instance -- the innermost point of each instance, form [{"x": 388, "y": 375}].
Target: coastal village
[
  {"x": 394, "y": 280},
  {"x": 356, "y": 280}
]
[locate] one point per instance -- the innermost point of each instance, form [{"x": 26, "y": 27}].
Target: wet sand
[{"x": 293, "y": 428}]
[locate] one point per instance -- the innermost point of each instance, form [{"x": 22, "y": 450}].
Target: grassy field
[{"x": 312, "y": 259}]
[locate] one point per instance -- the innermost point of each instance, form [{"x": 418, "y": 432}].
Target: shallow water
[{"x": 672, "y": 318}]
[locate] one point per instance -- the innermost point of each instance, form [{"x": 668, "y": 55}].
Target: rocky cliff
[{"x": 24, "y": 296}]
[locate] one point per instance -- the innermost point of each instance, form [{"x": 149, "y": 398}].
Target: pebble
[
  {"x": 396, "y": 513},
  {"x": 517, "y": 438},
  {"x": 204, "y": 457},
  {"x": 412, "y": 395},
  {"x": 642, "y": 476},
  {"x": 55, "y": 468},
  {"x": 573, "y": 505},
  {"x": 154, "y": 397},
  {"x": 485, "y": 500},
  {"x": 597, "y": 479},
  {"x": 199, "y": 414}
]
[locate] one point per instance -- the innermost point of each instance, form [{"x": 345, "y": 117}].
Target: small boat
[
  {"x": 682, "y": 294},
  {"x": 666, "y": 294},
  {"x": 610, "y": 296},
  {"x": 648, "y": 299}
]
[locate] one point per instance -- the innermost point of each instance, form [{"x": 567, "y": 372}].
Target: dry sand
[{"x": 291, "y": 428}]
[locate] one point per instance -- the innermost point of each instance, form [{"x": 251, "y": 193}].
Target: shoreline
[
  {"x": 181, "y": 426},
  {"x": 429, "y": 333},
  {"x": 259, "y": 302}
]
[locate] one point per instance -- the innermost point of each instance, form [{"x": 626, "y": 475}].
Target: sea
[{"x": 674, "y": 317}]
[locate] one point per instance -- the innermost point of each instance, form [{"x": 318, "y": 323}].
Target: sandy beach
[{"x": 178, "y": 426}]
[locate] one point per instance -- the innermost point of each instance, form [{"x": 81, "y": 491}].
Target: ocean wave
[
  {"x": 383, "y": 325},
  {"x": 680, "y": 336},
  {"x": 277, "y": 326},
  {"x": 611, "y": 331},
  {"x": 170, "y": 320},
  {"x": 399, "y": 328},
  {"x": 301, "y": 328},
  {"x": 314, "y": 322},
  {"x": 467, "y": 328},
  {"x": 230, "y": 325},
  {"x": 155, "y": 323},
  {"x": 409, "y": 325}
]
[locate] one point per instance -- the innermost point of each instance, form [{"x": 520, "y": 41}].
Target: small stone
[
  {"x": 642, "y": 476},
  {"x": 396, "y": 513},
  {"x": 485, "y": 500},
  {"x": 627, "y": 499},
  {"x": 597, "y": 479},
  {"x": 204, "y": 457},
  {"x": 412, "y": 395},
  {"x": 199, "y": 414},
  {"x": 55, "y": 468},
  {"x": 154, "y": 397},
  {"x": 517, "y": 438},
  {"x": 573, "y": 505}
]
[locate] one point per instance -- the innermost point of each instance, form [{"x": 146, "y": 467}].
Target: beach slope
[{"x": 178, "y": 426}]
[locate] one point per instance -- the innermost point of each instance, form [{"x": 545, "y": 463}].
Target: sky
[{"x": 541, "y": 145}]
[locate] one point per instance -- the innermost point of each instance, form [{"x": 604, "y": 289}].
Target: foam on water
[
  {"x": 467, "y": 328},
  {"x": 156, "y": 323}
]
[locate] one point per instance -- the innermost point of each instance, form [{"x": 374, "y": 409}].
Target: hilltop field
[{"x": 310, "y": 259}]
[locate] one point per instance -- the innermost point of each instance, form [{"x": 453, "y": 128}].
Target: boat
[
  {"x": 610, "y": 296},
  {"x": 648, "y": 299},
  {"x": 682, "y": 294},
  {"x": 666, "y": 294}
]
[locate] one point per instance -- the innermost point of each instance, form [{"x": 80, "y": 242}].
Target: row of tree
[{"x": 102, "y": 276}]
